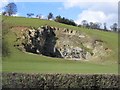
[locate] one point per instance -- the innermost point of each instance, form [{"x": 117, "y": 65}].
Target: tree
[
  {"x": 58, "y": 18},
  {"x": 30, "y": 14},
  {"x": 79, "y": 25},
  {"x": 84, "y": 23},
  {"x": 39, "y": 16},
  {"x": 98, "y": 24},
  {"x": 105, "y": 28},
  {"x": 11, "y": 9},
  {"x": 50, "y": 16},
  {"x": 87, "y": 26},
  {"x": 65, "y": 20},
  {"x": 114, "y": 27},
  {"x": 3, "y": 13},
  {"x": 91, "y": 24}
]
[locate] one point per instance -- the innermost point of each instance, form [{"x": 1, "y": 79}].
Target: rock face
[
  {"x": 62, "y": 43},
  {"x": 41, "y": 41}
]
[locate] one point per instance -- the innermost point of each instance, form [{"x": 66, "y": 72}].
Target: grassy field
[{"x": 18, "y": 61}]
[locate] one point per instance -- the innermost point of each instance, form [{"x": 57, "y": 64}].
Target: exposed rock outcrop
[{"x": 61, "y": 43}]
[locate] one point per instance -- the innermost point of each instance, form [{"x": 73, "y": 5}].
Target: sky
[
  {"x": 44, "y": 8},
  {"x": 91, "y": 10}
]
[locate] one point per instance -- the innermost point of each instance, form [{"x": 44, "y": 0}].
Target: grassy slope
[{"x": 22, "y": 62}]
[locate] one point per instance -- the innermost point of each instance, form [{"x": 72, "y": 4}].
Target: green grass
[{"x": 18, "y": 61}]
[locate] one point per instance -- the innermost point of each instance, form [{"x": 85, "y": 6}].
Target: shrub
[{"x": 58, "y": 81}]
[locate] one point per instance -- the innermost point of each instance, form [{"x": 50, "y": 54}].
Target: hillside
[{"x": 18, "y": 61}]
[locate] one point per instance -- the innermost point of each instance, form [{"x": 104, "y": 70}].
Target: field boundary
[{"x": 57, "y": 81}]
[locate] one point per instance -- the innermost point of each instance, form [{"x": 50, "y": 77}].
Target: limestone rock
[{"x": 62, "y": 43}]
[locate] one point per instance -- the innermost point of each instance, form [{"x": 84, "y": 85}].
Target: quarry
[{"x": 60, "y": 43}]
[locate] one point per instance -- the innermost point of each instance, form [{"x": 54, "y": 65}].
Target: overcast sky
[{"x": 91, "y": 10}]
